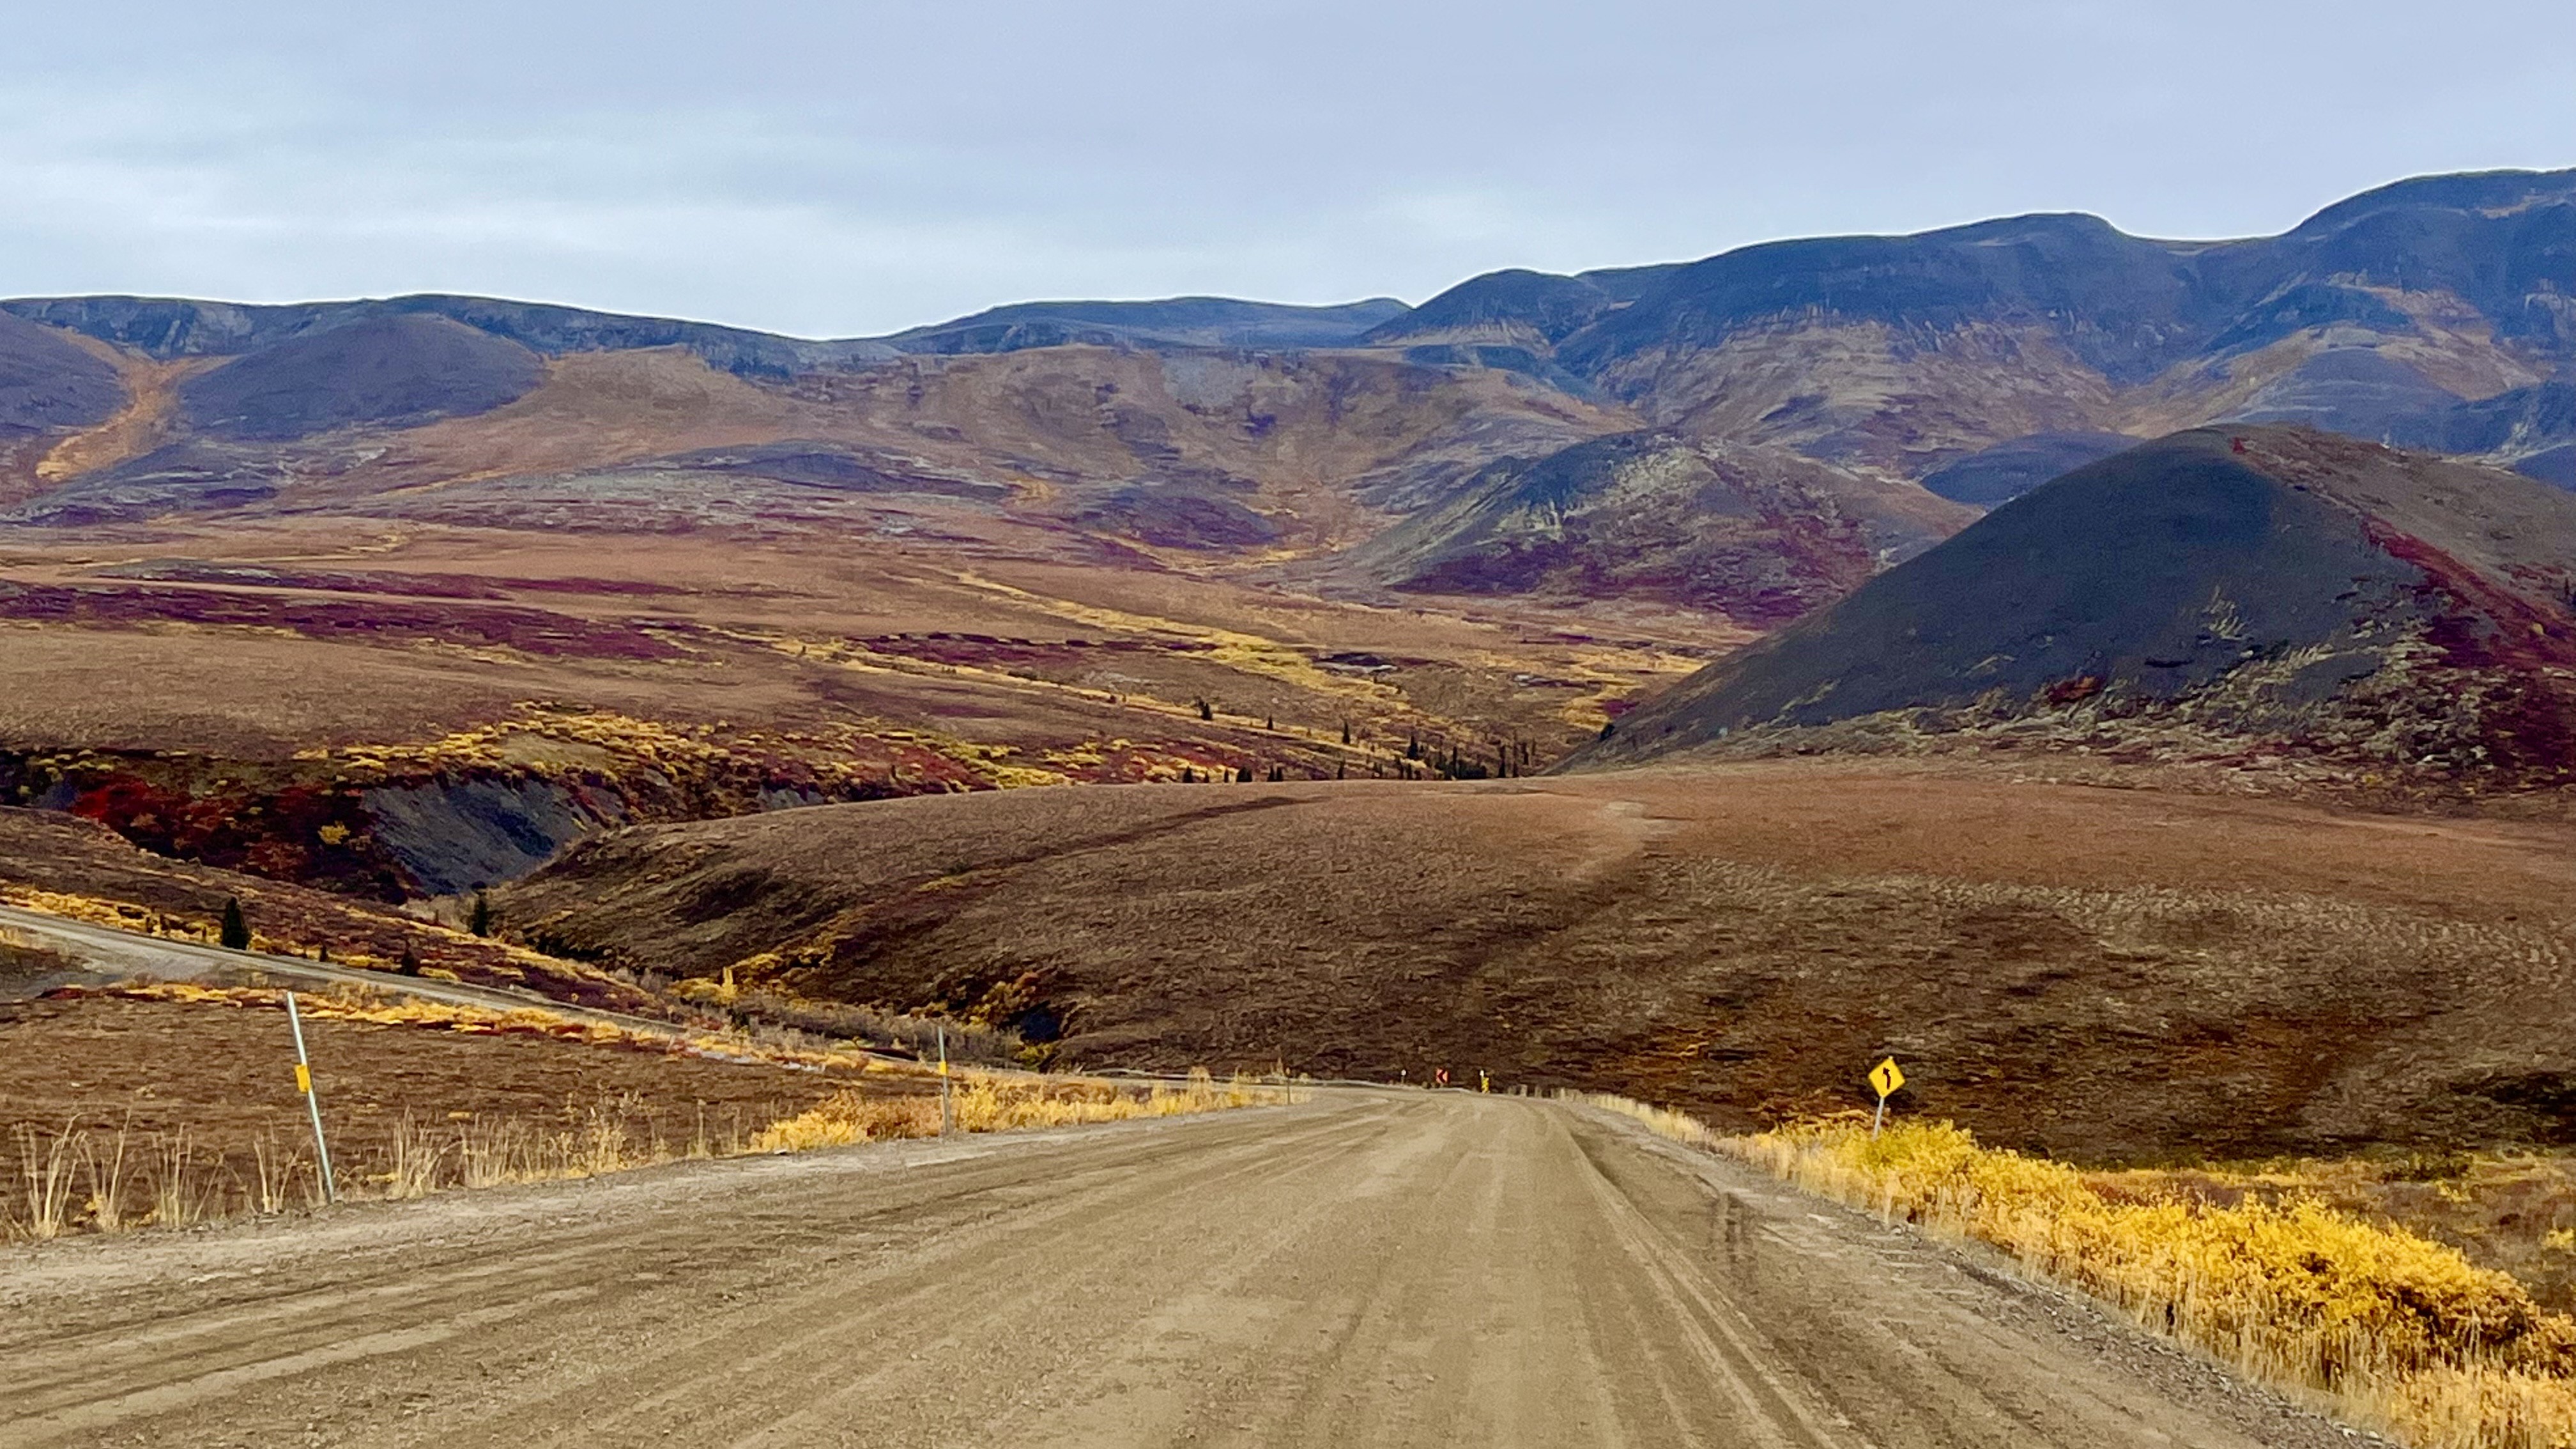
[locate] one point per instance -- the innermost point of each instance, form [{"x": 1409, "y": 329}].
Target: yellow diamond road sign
[{"x": 1886, "y": 1078}]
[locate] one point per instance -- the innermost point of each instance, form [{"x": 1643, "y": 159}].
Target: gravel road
[
  {"x": 107, "y": 954},
  {"x": 1372, "y": 1268}
]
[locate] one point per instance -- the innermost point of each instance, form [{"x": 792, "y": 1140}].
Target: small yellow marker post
[
  {"x": 1886, "y": 1078},
  {"x": 312, "y": 1104}
]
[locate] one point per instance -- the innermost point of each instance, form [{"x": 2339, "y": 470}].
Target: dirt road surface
[
  {"x": 1373, "y": 1268},
  {"x": 105, "y": 954}
]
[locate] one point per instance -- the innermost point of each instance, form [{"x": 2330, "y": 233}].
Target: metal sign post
[
  {"x": 1886, "y": 1078},
  {"x": 312, "y": 1104},
  {"x": 947, "y": 1108}
]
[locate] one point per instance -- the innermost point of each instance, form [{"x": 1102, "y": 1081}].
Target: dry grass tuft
[
  {"x": 986, "y": 1103},
  {"x": 1665, "y": 1122},
  {"x": 389, "y": 1007},
  {"x": 90, "y": 1176},
  {"x": 86, "y": 1177}
]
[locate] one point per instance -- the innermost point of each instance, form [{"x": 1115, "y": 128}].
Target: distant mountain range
[{"x": 1750, "y": 434}]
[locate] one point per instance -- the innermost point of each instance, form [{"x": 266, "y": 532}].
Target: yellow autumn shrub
[
  {"x": 984, "y": 1102},
  {"x": 2407, "y": 1331}
]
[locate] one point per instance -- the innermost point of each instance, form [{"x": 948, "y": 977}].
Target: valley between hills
[{"x": 2132, "y": 682}]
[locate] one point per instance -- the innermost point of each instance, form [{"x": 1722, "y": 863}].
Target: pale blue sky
[{"x": 844, "y": 167}]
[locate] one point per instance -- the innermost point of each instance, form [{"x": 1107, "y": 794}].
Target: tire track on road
[{"x": 1375, "y": 1267}]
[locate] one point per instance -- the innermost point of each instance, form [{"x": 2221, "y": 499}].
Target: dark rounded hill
[
  {"x": 389, "y": 371},
  {"x": 2260, "y": 581},
  {"x": 47, "y": 381},
  {"x": 2121, "y": 300}
]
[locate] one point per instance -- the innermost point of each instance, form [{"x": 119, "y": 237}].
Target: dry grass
[
  {"x": 94, "y": 1177},
  {"x": 2385, "y": 1327},
  {"x": 1663, "y": 1121},
  {"x": 987, "y": 1103},
  {"x": 389, "y": 1007}
]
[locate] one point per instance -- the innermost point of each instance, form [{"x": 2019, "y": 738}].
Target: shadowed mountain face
[
  {"x": 1179, "y": 322},
  {"x": 393, "y": 372},
  {"x": 2532, "y": 428},
  {"x": 2376, "y": 317},
  {"x": 2130, "y": 306},
  {"x": 47, "y": 381},
  {"x": 2118, "y": 295},
  {"x": 169, "y": 327},
  {"x": 2298, "y": 592}
]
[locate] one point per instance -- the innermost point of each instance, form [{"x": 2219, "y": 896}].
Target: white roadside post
[
  {"x": 947, "y": 1110},
  {"x": 312, "y": 1104}
]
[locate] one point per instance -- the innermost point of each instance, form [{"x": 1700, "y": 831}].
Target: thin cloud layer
[{"x": 850, "y": 169}]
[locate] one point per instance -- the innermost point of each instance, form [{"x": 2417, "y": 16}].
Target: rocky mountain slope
[
  {"x": 2245, "y": 591},
  {"x": 2437, "y": 312},
  {"x": 1758, "y": 535},
  {"x": 2383, "y": 314}
]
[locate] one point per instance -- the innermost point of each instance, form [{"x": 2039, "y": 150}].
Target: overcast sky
[{"x": 841, "y": 167}]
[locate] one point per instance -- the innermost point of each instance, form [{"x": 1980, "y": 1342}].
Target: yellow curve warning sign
[{"x": 1886, "y": 1078}]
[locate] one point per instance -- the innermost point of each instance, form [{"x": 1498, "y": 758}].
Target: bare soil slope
[{"x": 2102, "y": 972}]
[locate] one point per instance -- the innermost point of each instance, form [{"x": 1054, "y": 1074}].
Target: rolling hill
[
  {"x": 2103, "y": 973},
  {"x": 2237, "y": 591},
  {"x": 1758, "y": 535}
]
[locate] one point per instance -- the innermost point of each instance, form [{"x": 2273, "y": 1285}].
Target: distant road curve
[
  {"x": 114, "y": 952},
  {"x": 1371, "y": 1268}
]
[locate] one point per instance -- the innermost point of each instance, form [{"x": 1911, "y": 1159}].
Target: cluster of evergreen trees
[{"x": 233, "y": 934}]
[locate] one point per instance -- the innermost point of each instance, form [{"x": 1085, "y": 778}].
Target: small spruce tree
[
  {"x": 480, "y": 920},
  {"x": 235, "y": 932}
]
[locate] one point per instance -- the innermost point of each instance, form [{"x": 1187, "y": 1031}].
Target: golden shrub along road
[{"x": 1368, "y": 1268}]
